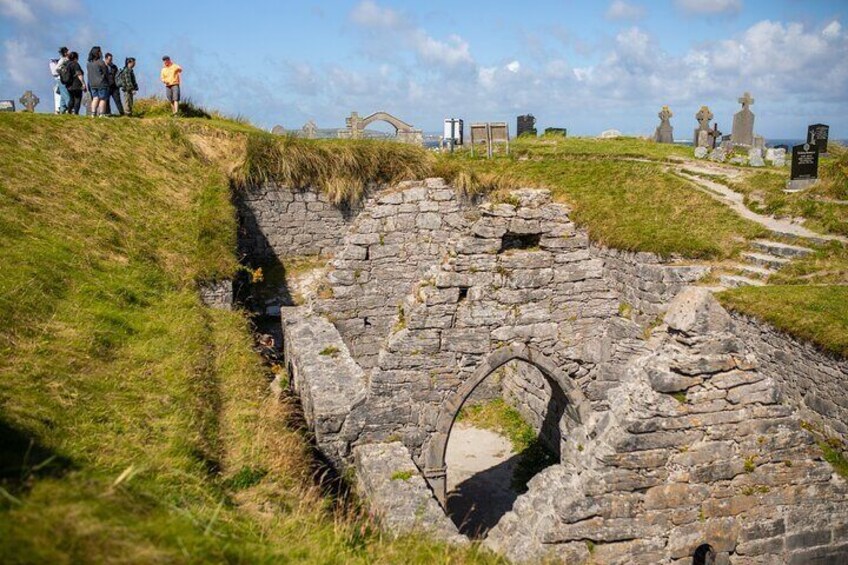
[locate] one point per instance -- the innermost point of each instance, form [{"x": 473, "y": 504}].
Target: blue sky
[{"x": 587, "y": 66}]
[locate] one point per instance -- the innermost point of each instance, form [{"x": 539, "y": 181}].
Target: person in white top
[{"x": 61, "y": 96}]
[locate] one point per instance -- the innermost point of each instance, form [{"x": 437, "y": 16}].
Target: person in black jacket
[
  {"x": 98, "y": 81},
  {"x": 75, "y": 84},
  {"x": 114, "y": 91}
]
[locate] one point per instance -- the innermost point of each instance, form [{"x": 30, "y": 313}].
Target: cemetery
[{"x": 227, "y": 343}]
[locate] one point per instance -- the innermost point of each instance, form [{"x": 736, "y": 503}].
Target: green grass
[
  {"x": 136, "y": 424},
  {"x": 629, "y": 205},
  {"x": 500, "y": 417},
  {"x": 817, "y": 314}
]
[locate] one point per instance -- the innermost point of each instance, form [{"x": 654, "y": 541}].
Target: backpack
[
  {"x": 65, "y": 73},
  {"x": 119, "y": 78}
]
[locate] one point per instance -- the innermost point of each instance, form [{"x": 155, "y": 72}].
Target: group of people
[{"x": 105, "y": 83}]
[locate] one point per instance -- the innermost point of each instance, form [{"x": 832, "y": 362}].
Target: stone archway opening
[{"x": 508, "y": 430}]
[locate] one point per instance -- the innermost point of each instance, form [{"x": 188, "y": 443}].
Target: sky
[{"x": 586, "y": 66}]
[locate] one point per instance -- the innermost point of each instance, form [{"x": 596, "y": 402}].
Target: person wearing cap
[{"x": 170, "y": 75}]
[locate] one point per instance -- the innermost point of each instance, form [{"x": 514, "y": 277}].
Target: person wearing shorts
[
  {"x": 98, "y": 81},
  {"x": 170, "y": 75}
]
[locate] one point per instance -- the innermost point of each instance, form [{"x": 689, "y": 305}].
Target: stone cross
[
  {"x": 746, "y": 100},
  {"x": 704, "y": 116},
  {"x": 743, "y": 123},
  {"x": 664, "y": 133},
  {"x": 30, "y": 101}
]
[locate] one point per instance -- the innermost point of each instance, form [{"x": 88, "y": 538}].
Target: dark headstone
[
  {"x": 805, "y": 162},
  {"x": 556, "y": 131},
  {"x": 526, "y": 125},
  {"x": 7, "y": 105},
  {"x": 818, "y": 134}
]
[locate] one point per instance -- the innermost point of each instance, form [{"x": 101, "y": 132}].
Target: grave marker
[
  {"x": 743, "y": 123},
  {"x": 278, "y": 130},
  {"x": 30, "y": 101},
  {"x": 526, "y": 125},
  {"x": 703, "y": 132},
  {"x": 805, "y": 167},
  {"x": 664, "y": 133},
  {"x": 7, "y": 105},
  {"x": 817, "y": 134}
]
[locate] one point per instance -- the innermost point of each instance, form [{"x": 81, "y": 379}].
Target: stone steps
[
  {"x": 764, "y": 260},
  {"x": 735, "y": 281},
  {"x": 754, "y": 271},
  {"x": 780, "y": 249}
]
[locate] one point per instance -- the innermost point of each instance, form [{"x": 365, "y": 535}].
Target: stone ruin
[{"x": 683, "y": 431}]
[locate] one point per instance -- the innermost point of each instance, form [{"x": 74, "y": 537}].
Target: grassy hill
[{"x": 136, "y": 424}]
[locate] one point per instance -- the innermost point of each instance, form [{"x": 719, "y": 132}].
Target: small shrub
[
  {"x": 750, "y": 464},
  {"x": 401, "y": 475},
  {"x": 330, "y": 350}
]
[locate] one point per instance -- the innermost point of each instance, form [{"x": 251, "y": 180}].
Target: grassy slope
[
  {"x": 626, "y": 204},
  {"x": 135, "y": 422}
]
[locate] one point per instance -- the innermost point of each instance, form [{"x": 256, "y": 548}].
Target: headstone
[
  {"x": 30, "y": 101},
  {"x": 278, "y": 130},
  {"x": 805, "y": 166},
  {"x": 556, "y": 131},
  {"x": 609, "y": 134},
  {"x": 703, "y": 116},
  {"x": 526, "y": 125},
  {"x": 759, "y": 142},
  {"x": 718, "y": 154},
  {"x": 310, "y": 130},
  {"x": 818, "y": 134},
  {"x": 7, "y": 105},
  {"x": 743, "y": 123},
  {"x": 664, "y": 133},
  {"x": 701, "y": 152},
  {"x": 755, "y": 157}
]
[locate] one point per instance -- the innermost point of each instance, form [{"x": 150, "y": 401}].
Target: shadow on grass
[{"x": 22, "y": 461}]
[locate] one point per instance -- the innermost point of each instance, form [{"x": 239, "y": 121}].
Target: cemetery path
[{"x": 736, "y": 202}]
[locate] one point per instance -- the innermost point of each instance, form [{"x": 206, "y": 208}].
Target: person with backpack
[
  {"x": 127, "y": 84},
  {"x": 98, "y": 81},
  {"x": 75, "y": 83},
  {"x": 60, "y": 91},
  {"x": 170, "y": 75},
  {"x": 114, "y": 91}
]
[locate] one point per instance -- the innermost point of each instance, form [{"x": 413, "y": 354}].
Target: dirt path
[{"x": 480, "y": 465}]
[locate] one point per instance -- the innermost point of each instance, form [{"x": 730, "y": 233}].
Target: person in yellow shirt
[{"x": 170, "y": 75}]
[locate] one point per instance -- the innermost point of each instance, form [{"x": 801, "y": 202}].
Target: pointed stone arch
[{"x": 435, "y": 470}]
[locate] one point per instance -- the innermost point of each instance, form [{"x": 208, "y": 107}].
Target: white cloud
[
  {"x": 455, "y": 51},
  {"x": 17, "y": 10},
  {"x": 832, "y": 30},
  {"x": 370, "y": 14},
  {"x": 623, "y": 10},
  {"x": 710, "y": 7},
  {"x": 513, "y": 66}
]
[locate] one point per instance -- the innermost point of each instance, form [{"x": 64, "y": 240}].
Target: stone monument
[
  {"x": 664, "y": 133},
  {"x": 7, "y": 105},
  {"x": 30, "y": 101},
  {"x": 743, "y": 123},
  {"x": 310, "y": 130},
  {"x": 703, "y": 134},
  {"x": 817, "y": 134},
  {"x": 805, "y": 167},
  {"x": 278, "y": 130}
]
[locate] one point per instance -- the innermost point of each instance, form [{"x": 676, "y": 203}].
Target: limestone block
[
  {"x": 465, "y": 340},
  {"x": 667, "y": 382},
  {"x": 429, "y": 221},
  {"x": 475, "y": 245},
  {"x": 695, "y": 310}
]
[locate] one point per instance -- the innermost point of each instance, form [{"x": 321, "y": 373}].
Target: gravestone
[
  {"x": 743, "y": 123},
  {"x": 700, "y": 140},
  {"x": 817, "y": 134},
  {"x": 480, "y": 134},
  {"x": 776, "y": 155},
  {"x": 7, "y": 105},
  {"x": 526, "y": 125},
  {"x": 30, "y": 101},
  {"x": 664, "y": 133},
  {"x": 718, "y": 154},
  {"x": 278, "y": 130},
  {"x": 701, "y": 152},
  {"x": 556, "y": 131},
  {"x": 805, "y": 167},
  {"x": 755, "y": 157},
  {"x": 499, "y": 133}
]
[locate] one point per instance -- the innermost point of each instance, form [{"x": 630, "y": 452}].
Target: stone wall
[
  {"x": 277, "y": 221},
  {"x": 644, "y": 281},
  {"x": 722, "y": 462},
  {"x": 217, "y": 294},
  {"x": 814, "y": 381},
  {"x": 526, "y": 389}
]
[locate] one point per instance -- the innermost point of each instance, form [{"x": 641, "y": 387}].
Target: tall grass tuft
[{"x": 343, "y": 169}]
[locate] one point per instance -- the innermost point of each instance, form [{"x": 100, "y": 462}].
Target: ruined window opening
[
  {"x": 519, "y": 241},
  {"x": 367, "y": 253},
  {"x": 463, "y": 293},
  {"x": 704, "y": 555},
  {"x": 367, "y": 322}
]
